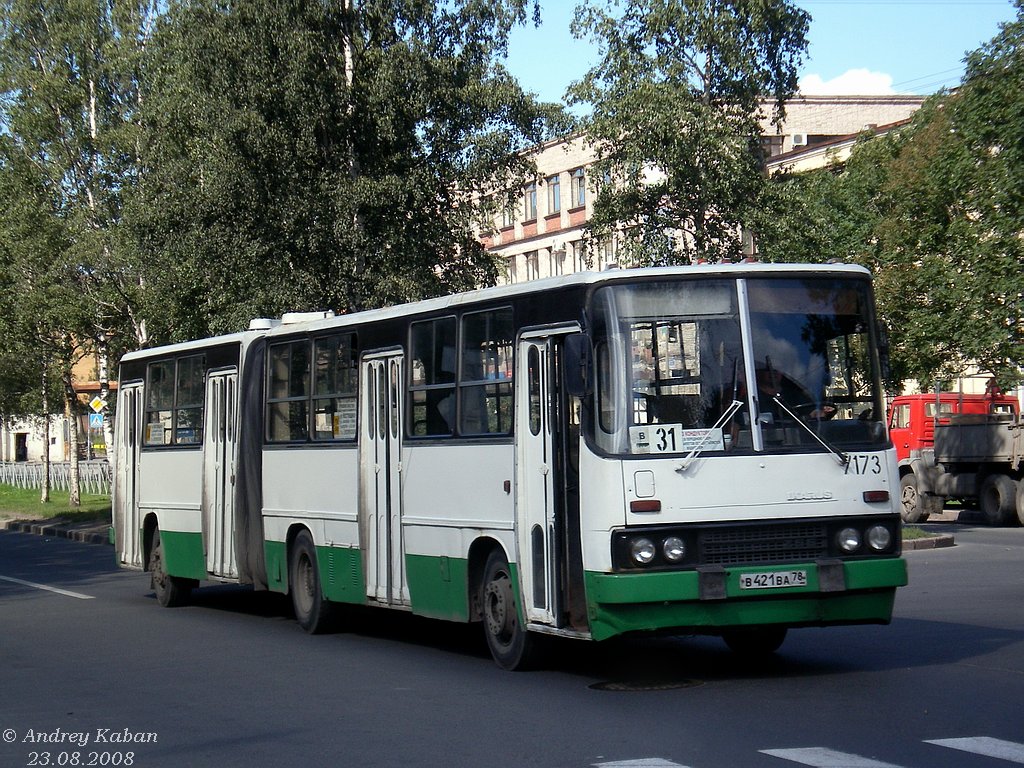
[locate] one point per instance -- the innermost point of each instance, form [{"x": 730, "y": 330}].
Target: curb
[
  {"x": 932, "y": 542},
  {"x": 86, "y": 533}
]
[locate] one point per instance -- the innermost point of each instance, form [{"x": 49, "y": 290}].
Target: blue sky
[{"x": 856, "y": 46}]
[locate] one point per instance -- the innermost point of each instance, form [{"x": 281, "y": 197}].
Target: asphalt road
[{"x": 232, "y": 681}]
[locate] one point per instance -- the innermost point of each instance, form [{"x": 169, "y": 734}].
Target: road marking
[
  {"x": 643, "y": 762},
  {"x": 819, "y": 757},
  {"x": 59, "y": 591},
  {"x": 984, "y": 745}
]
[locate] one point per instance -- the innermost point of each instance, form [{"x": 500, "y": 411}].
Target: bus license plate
[{"x": 773, "y": 580}]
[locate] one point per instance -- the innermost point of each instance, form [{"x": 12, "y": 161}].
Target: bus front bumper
[{"x": 710, "y": 599}]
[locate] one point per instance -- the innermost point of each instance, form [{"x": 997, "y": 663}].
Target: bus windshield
[{"x": 681, "y": 366}]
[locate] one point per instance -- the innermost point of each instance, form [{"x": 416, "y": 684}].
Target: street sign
[
  {"x": 95, "y": 421},
  {"x": 97, "y": 403}
]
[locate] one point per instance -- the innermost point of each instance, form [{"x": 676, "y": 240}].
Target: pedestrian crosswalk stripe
[
  {"x": 819, "y": 757},
  {"x": 984, "y": 745}
]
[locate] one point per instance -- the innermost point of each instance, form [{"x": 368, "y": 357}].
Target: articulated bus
[{"x": 689, "y": 450}]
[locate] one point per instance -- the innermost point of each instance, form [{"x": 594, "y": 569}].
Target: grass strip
[{"x": 24, "y": 503}]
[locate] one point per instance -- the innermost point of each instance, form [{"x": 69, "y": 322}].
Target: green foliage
[
  {"x": 676, "y": 118},
  {"x": 320, "y": 156},
  {"x": 67, "y": 85},
  {"x": 935, "y": 211}
]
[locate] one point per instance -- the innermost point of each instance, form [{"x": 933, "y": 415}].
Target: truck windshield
[{"x": 682, "y": 365}]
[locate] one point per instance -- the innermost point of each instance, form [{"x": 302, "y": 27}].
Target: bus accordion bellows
[{"x": 680, "y": 449}]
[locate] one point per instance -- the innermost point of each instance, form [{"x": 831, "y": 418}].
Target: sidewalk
[{"x": 90, "y": 532}]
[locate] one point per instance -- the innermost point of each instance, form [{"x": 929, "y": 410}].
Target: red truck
[{"x": 977, "y": 456}]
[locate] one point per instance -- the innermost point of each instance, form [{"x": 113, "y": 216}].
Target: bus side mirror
[
  {"x": 577, "y": 355},
  {"x": 883, "y": 353}
]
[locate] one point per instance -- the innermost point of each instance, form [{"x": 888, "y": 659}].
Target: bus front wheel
[
  {"x": 511, "y": 645},
  {"x": 754, "y": 641},
  {"x": 312, "y": 611},
  {"x": 171, "y": 591}
]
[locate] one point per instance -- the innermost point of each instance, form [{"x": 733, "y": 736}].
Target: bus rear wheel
[
  {"x": 171, "y": 591},
  {"x": 512, "y": 646},
  {"x": 312, "y": 611}
]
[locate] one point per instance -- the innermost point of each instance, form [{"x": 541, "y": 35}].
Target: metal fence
[{"x": 93, "y": 476}]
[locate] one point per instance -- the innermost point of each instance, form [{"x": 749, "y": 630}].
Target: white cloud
[{"x": 853, "y": 82}]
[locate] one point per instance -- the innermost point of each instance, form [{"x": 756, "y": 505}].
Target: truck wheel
[
  {"x": 997, "y": 499},
  {"x": 1020, "y": 501},
  {"x": 912, "y": 505}
]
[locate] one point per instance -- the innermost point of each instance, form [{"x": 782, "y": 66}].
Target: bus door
[
  {"x": 219, "y": 438},
  {"x": 540, "y": 482},
  {"x": 127, "y": 525},
  {"x": 380, "y": 461}
]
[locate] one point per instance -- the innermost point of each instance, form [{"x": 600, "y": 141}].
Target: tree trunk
[
  {"x": 71, "y": 410},
  {"x": 44, "y": 494},
  {"x": 103, "y": 360}
]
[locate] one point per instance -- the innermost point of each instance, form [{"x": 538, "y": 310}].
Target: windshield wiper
[
  {"x": 699, "y": 449},
  {"x": 843, "y": 458}
]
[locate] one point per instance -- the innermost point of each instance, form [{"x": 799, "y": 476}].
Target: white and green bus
[{"x": 683, "y": 450}]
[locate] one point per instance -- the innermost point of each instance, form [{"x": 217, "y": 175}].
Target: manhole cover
[{"x": 645, "y": 685}]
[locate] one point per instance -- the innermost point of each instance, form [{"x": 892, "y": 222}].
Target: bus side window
[
  {"x": 288, "y": 400},
  {"x": 174, "y": 401},
  {"x": 432, "y": 388},
  {"x": 335, "y": 361},
  {"x": 485, "y": 375}
]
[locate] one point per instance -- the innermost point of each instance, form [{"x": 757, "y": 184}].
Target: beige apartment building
[{"x": 542, "y": 235}]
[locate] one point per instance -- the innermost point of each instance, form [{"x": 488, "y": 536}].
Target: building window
[
  {"x": 531, "y": 202},
  {"x": 513, "y": 276},
  {"x": 554, "y": 194},
  {"x": 605, "y": 254},
  {"x": 578, "y": 256},
  {"x": 558, "y": 260},
  {"x": 771, "y": 145},
  {"x": 508, "y": 215},
  {"x": 532, "y": 266},
  {"x": 578, "y": 188},
  {"x": 174, "y": 401}
]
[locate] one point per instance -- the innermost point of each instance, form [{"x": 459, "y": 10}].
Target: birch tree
[
  {"x": 322, "y": 156},
  {"x": 69, "y": 78},
  {"x": 676, "y": 98}
]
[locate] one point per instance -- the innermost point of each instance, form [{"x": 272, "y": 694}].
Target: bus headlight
[
  {"x": 848, "y": 539},
  {"x": 643, "y": 551},
  {"x": 674, "y": 549},
  {"x": 879, "y": 538}
]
